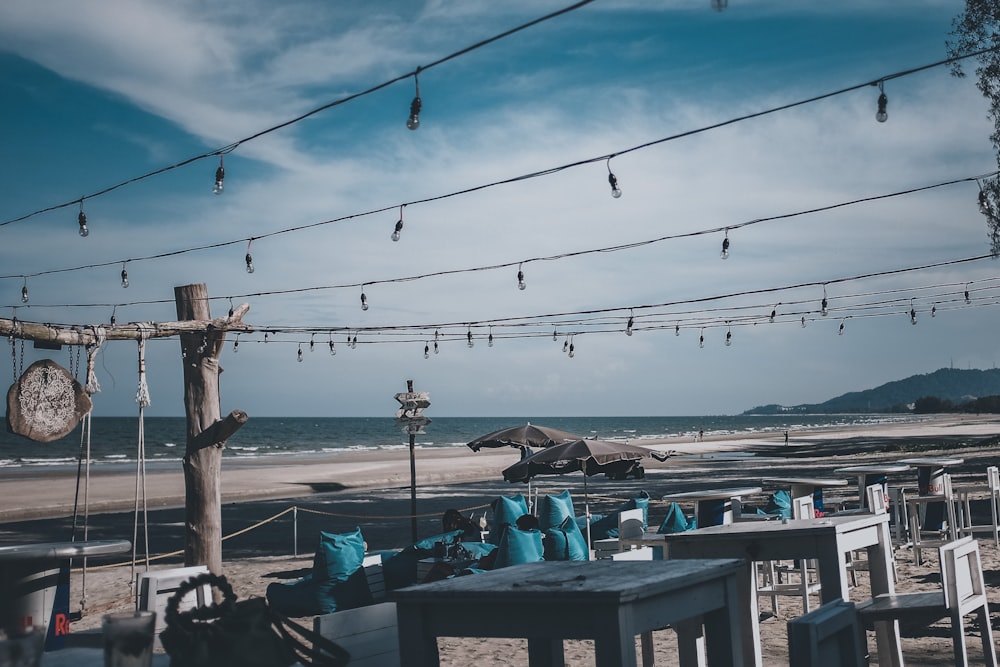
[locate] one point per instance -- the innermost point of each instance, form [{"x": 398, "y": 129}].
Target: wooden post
[
  {"x": 206, "y": 432},
  {"x": 410, "y": 415}
]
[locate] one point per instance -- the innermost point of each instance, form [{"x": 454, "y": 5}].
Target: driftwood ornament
[{"x": 45, "y": 403}]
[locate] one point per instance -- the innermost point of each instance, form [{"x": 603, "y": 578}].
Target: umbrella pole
[{"x": 586, "y": 510}]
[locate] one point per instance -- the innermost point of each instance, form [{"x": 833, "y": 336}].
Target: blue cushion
[
  {"x": 553, "y": 509},
  {"x": 519, "y": 546},
  {"x": 606, "y": 525},
  {"x": 639, "y": 502},
  {"x": 565, "y": 542},
  {"x": 780, "y": 503},
  {"x": 400, "y": 569},
  {"x": 337, "y": 574},
  {"x": 506, "y": 510},
  {"x": 676, "y": 521},
  {"x": 293, "y": 599}
]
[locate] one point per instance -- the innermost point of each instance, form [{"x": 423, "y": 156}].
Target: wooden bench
[
  {"x": 372, "y": 564},
  {"x": 370, "y": 634},
  {"x": 154, "y": 588}
]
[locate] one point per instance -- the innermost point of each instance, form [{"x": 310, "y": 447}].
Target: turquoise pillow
[
  {"x": 676, "y": 521},
  {"x": 780, "y": 503},
  {"x": 519, "y": 546},
  {"x": 506, "y": 510},
  {"x": 565, "y": 542},
  {"x": 639, "y": 502},
  {"x": 337, "y": 574},
  {"x": 400, "y": 569},
  {"x": 553, "y": 509}
]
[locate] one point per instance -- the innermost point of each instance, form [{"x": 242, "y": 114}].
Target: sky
[{"x": 667, "y": 96}]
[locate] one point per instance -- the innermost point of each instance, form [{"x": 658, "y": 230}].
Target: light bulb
[
  {"x": 774, "y": 312},
  {"x": 822, "y": 307},
  {"x": 489, "y": 341},
  {"x": 881, "y": 116},
  {"x": 413, "y": 122},
  {"x": 677, "y": 330},
  {"x": 729, "y": 338},
  {"x": 364, "y": 301},
  {"x": 299, "y": 355},
  {"x": 572, "y": 350},
  {"x": 469, "y": 338},
  {"x": 427, "y": 351},
  {"x": 265, "y": 337},
  {"x": 435, "y": 347},
  {"x": 725, "y": 248},
  {"x": 555, "y": 335},
  {"x": 615, "y": 192},
  {"x": 236, "y": 346},
  {"x": 566, "y": 345},
  {"x": 312, "y": 342},
  {"x": 628, "y": 326},
  {"x": 701, "y": 339},
  {"x": 333, "y": 349},
  {"x": 840, "y": 332},
  {"x": 913, "y": 316},
  {"x": 397, "y": 230},
  {"x": 220, "y": 174},
  {"x": 125, "y": 279},
  {"x": 803, "y": 321},
  {"x": 24, "y": 294},
  {"x": 354, "y": 342},
  {"x": 520, "y": 280},
  {"x": 114, "y": 319},
  {"x": 82, "y": 219},
  {"x": 933, "y": 311},
  {"x": 249, "y": 259},
  {"x": 967, "y": 299}
]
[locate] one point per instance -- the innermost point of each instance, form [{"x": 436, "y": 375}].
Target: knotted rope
[{"x": 142, "y": 398}]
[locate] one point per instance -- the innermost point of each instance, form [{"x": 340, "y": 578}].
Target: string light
[
  {"x": 725, "y": 245},
  {"x": 114, "y": 320},
  {"x": 249, "y": 258},
  {"x": 572, "y": 348},
  {"x": 934, "y": 311},
  {"x": 333, "y": 348},
  {"x": 24, "y": 291},
  {"x": 435, "y": 347},
  {"x": 566, "y": 344},
  {"x": 555, "y": 335},
  {"x": 913, "y": 313},
  {"x": 413, "y": 122},
  {"x": 613, "y": 181},
  {"x": 628, "y": 325},
  {"x": 823, "y": 304},
  {"x": 125, "y": 277},
  {"x": 840, "y": 331},
  {"x": 232, "y": 308},
  {"x": 236, "y": 344},
  {"x": 520, "y": 278},
  {"x": 489, "y": 341},
  {"x": 803, "y": 321},
  {"x": 354, "y": 342},
  {"x": 81, "y": 219},
  {"x": 729, "y": 337},
  {"x": 220, "y": 174},
  {"x": 468, "y": 337},
  {"x": 677, "y": 330},
  {"x": 967, "y": 299},
  {"x": 399, "y": 225},
  {"x": 427, "y": 351},
  {"x": 312, "y": 342},
  {"x": 265, "y": 337},
  {"x": 364, "y": 299},
  {"x": 701, "y": 338},
  {"x": 299, "y": 355},
  {"x": 774, "y": 312},
  {"x": 881, "y": 115}
]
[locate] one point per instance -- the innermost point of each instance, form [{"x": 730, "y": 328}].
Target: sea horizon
[{"x": 115, "y": 439}]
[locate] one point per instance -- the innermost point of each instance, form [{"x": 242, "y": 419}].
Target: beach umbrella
[
  {"x": 591, "y": 457},
  {"x": 529, "y": 435},
  {"x": 523, "y": 437}
]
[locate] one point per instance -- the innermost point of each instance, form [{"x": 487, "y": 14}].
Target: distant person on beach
[
  {"x": 453, "y": 520},
  {"x": 786, "y": 437},
  {"x": 701, "y": 435}
]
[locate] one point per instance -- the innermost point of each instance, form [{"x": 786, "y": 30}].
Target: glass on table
[
  {"x": 22, "y": 649},
  {"x": 128, "y": 639}
]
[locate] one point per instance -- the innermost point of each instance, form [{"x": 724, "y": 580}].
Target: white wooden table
[
  {"x": 608, "y": 601},
  {"x": 930, "y": 471},
  {"x": 713, "y": 506},
  {"x": 826, "y": 540}
]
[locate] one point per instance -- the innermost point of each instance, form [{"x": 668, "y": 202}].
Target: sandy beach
[{"x": 285, "y": 504}]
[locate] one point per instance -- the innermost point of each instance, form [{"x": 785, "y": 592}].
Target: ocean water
[{"x": 115, "y": 439}]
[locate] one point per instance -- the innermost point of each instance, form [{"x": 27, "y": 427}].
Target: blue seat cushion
[
  {"x": 565, "y": 542},
  {"x": 519, "y": 546},
  {"x": 506, "y": 511},
  {"x": 553, "y": 509}
]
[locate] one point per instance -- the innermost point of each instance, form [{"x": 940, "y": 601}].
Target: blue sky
[{"x": 98, "y": 93}]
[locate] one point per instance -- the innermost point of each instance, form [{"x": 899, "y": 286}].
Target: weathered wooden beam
[
  {"x": 220, "y": 431},
  {"x": 89, "y": 334}
]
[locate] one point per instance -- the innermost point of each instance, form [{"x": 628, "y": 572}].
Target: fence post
[{"x": 295, "y": 531}]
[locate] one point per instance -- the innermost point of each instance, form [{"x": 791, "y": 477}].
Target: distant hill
[{"x": 948, "y": 384}]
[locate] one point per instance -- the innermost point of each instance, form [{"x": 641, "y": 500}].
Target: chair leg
[
  {"x": 958, "y": 640},
  {"x": 989, "y": 649}
]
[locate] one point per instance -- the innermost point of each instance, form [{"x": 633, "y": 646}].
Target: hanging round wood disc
[{"x": 45, "y": 403}]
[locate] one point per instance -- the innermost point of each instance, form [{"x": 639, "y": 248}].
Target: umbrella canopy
[
  {"x": 590, "y": 456},
  {"x": 527, "y": 435}
]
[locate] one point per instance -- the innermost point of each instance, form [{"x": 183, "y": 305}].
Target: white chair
[
  {"x": 153, "y": 589},
  {"x": 989, "y": 493},
  {"x": 799, "y": 578},
  {"x": 962, "y": 593},
  {"x": 926, "y": 539},
  {"x": 630, "y": 529},
  {"x": 829, "y": 636}
]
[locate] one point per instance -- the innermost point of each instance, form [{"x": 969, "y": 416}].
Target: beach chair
[
  {"x": 989, "y": 493},
  {"x": 963, "y": 592},
  {"x": 153, "y": 589},
  {"x": 370, "y": 634},
  {"x": 830, "y": 636},
  {"x": 795, "y": 578},
  {"x": 931, "y": 539}
]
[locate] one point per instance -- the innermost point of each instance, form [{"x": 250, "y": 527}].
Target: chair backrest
[
  {"x": 630, "y": 525},
  {"x": 993, "y": 478},
  {"x": 642, "y": 553},
  {"x": 962, "y": 574},
  {"x": 154, "y": 588},
  {"x": 370, "y": 634},
  {"x": 829, "y": 636},
  {"x": 372, "y": 565},
  {"x": 875, "y": 497},
  {"x": 802, "y": 508}
]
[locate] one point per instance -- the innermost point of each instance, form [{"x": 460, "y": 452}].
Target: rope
[
  {"x": 93, "y": 386},
  {"x": 142, "y": 398},
  {"x": 388, "y": 516},
  {"x": 84, "y": 463}
]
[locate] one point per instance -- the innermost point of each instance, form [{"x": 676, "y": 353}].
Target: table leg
[
  {"x": 545, "y": 652},
  {"x": 880, "y": 566},
  {"x": 420, "y": 650},
  {"x": 722, "y": 630},
  {"x": 690, "y": 643},
  {"x": 929, "y": 482},
  {"x": 614, "y": 647}
]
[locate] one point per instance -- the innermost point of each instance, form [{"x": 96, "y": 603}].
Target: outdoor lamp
[{"x": 82, "y": 219}]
